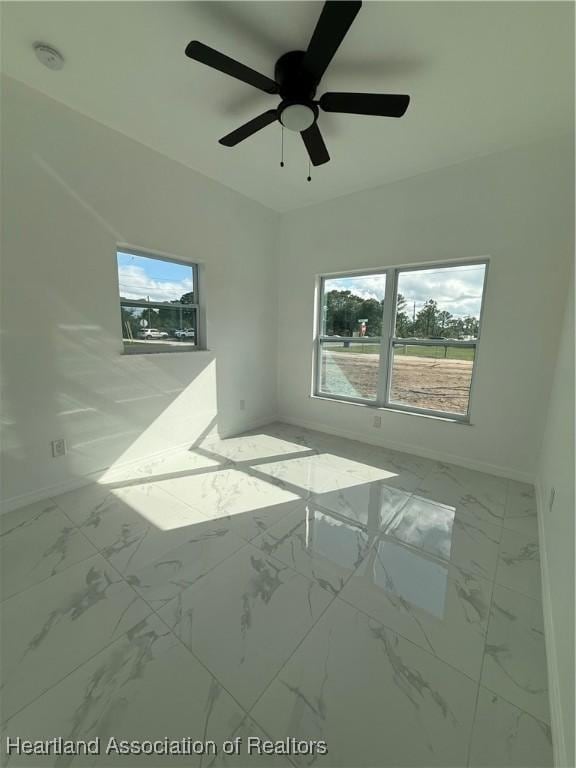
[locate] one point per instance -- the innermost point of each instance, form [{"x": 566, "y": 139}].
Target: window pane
[
  {"x": 440, "y": 302},
  {"x": 352, "y": 306},
  {"x": 349, "y": 369},
  {"x": 433, "y": 377},
  {"x": 144, "y": 278},
  {"x": 143, "y": 324}
]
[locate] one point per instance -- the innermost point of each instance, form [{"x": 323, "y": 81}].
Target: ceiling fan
[{"x": 297, "y": 75}]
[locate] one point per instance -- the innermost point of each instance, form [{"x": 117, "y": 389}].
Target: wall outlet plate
[
  {"x": 377, "y": 420},
  {"x": 242, "y": 405},
  {"x": 58, "y": 447}
]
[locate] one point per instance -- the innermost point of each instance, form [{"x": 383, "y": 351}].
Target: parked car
[
  {"x": 185, "y": 333},
  {"x": 152, "y": 333}
]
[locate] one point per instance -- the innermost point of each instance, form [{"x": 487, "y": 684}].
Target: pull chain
[
  {"x": 309, "y": 175},
  {"x": 282, "y": 147}
]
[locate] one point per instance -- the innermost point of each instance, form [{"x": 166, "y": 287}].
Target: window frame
[
  {"x": 387, "y": 339},
  {"x": 153, "y": 346}
]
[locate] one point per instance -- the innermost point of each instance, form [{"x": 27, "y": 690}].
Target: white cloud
[
  {"x": 367, "y": 287},
  {"x": 136, "y": 284},
  {"x": 458, "y": 291}
]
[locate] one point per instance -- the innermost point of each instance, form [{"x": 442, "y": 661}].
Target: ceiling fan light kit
[
  {"x": 297, "y": 75},
  {"x": 297, "y": 117}
]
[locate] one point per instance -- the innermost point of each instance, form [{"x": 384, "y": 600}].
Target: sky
[
  {"x": 457, "y": 290},
  {"x": 141, "y": 277}
]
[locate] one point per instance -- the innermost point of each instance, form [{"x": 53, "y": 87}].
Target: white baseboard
[
  {"x": 480, "y": 466},
  {"x": 72, "y": 483},
  {"x": 556, "y": 719},
  {"x": 41, "y": 494},
  {"x": 250, "y": 425}
]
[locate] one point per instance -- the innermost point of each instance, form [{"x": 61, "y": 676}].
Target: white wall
[
  {"x": 514, "y": 207},
  {"x": 72, "y": 189},
  {"x": 556, "y": 471}
]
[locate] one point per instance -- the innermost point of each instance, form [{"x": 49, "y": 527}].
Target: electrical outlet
[
  {"x": 552, "y": 497},
  {"x": 58, "y": 448},
  {"x": 377, "y": 421},
  {"x": 242, "y": 405}
]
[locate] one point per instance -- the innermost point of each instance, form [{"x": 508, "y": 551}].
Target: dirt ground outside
[{"x": 424, "y": 382}]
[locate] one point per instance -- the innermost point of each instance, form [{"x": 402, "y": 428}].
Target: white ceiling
[{"x": 483, "y": 76}]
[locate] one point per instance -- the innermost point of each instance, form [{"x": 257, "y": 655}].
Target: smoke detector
[{"x": 48, "y": 56}]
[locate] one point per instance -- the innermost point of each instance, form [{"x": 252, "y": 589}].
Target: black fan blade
[
  {"x": 210, "y": 57},
  {"x": 315, "y": 145},
  {"x": 332, "y": 26},
  {"x": 382, "y": 104},
  {"x": 249, "y": 128}
]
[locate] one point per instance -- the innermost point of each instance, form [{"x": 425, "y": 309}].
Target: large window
[
  {"x": 158, "y": 303},
  {"x": 401, "y": 338}
]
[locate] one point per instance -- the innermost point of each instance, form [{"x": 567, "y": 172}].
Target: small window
[
  {"x": 401, "y": 338},
  {"x": 159, "y": 303}
]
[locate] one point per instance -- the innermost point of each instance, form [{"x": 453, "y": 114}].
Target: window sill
[
  {"x": 391, "y": 409},
  {"x": 161, "y": 348}
]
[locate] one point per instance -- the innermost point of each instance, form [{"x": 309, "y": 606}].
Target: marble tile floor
[{"x": 281, "y": 584}]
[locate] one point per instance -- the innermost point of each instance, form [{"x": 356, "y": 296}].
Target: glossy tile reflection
[
  {"x": 282, "y": 583},
  {"x": 320, "y": 545},
  {"x": 433, "y": 604},
  {"x": 439, "y": 531},
  {"x": 374, "y": 504}
]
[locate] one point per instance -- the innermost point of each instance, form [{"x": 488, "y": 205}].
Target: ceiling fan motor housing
[
  {"x": 294, "y": 82},
  {"x": 297, "y": 110}
]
